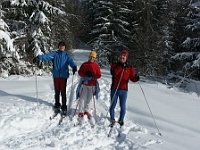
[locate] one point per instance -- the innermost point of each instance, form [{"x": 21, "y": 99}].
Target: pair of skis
[
  {"x": 112, "y": 126},
  {"x": 61, "y": 117},
  {"x": 81, "y": 120}
]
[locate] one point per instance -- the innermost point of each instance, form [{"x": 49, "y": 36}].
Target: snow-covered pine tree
[
  {"x": 9, "y": 58},
  {"x": 110, "y": 28},
  {"x": 188, "y": 59},
  {"x": 148, "y": 56},
  {"x": 165, "y": 27}
]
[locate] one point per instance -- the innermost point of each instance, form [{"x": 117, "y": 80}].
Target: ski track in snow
[{"x": 25, "y": 125}]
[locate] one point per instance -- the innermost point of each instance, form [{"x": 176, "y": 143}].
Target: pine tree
[
  {"x": 110, "y": 31},
  {"x": 189, "y": 58},
  {"x": 9, "y": 58},
  {"x": 146, "y": 36}
]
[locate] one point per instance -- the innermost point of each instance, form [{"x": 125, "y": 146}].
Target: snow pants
[
  {"x": 60, "y": 88},
  {"x": 122, "y": 95},
  {"x": 86, "y": 95}
]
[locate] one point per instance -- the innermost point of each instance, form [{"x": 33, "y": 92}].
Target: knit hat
[
  {"x": 93, "y": 54},
  {"x": 61, "y": 43},
  {"x": 124, "y": 52}
]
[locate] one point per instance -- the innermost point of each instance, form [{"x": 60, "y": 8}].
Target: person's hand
[
  {"x": 74, "y": 69},
  {"x": 89, "y": 74},
  {"x": 137, "y": 77},
  {"x": 38, "y": 62}
]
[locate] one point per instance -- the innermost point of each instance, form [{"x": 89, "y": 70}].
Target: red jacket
[
  {"x": 92, "y": 67},
  {"x": 116, "y": 71}
]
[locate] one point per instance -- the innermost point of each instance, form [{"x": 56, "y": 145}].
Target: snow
[
  {"x": 25, "y": 124},
  {"x": 18, "y": 2},
  {"x": 5, "y": 35},
  {"x": 39, "y": 16}
]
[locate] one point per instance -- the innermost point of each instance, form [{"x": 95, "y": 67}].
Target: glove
[
  {"x": 38, "y": 62},
  {"x": 74, "y": 69},
  {"x": 37, "y": 52},
  {"x": 137, "y": 78},
  {"x": 89, "y": 74}
]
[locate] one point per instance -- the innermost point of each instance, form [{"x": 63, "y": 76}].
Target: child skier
[{"x": 89, "y": 73}]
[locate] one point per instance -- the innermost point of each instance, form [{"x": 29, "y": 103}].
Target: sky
[{"x": 26, "y": 106}]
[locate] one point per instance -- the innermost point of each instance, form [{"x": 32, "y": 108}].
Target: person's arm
[
  {"x": 71, "y": 61},
  {"x": 97, "y": 75},
  {"x": 72, "y": 64},
  {"x": 133, "y": 76},
  {"x": 112, "y": 71},
  {"x": 46, "y": 57},
  {"x": 81, "y": 71}
]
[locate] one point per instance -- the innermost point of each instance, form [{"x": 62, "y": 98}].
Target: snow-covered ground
[{"x": 25, "y": 123}]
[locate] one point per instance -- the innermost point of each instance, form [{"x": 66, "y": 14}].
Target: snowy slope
[{"x": 25, "y": 124}]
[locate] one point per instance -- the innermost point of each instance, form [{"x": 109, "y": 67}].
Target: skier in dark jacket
[
  {"x": 121, "y": 73},
  {"x": 61, "y": 60}
]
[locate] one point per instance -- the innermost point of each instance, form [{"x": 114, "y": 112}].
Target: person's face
[
  {"x": 123, "y": 58},
  {"x": 92, "y": 59},
  {"x": 62, "y": 47}
]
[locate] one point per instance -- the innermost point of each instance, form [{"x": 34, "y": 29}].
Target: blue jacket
[
  {"x": 61, "y": 60},
  {"x": 86, "y": 79}
]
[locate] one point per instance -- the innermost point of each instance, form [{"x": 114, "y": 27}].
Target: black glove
[
  {"x": 38, "y": 62},
  {"x": 74, "y": 69},
  {"x": 137, "y": 78},
  {"x": 89, "y": 74}
]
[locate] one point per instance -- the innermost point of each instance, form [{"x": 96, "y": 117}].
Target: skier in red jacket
[
  {"x": 121, "y": 73},
  {"x": 90, "y": 72}
]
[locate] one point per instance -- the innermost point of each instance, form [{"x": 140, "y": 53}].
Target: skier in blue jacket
[{"x": 61, "y": 60}]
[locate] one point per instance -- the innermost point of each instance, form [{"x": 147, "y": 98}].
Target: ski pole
[
  {"x": 78, "y": 103},
  {"x": 94, "y": 105},
  {"x": 115, "y": 91},
  {"x": 36, "y": 85},
  {"x": 72, "y": 81},
  {"x": 150, "y": 110},
  {"x": 71, "y": 95}
]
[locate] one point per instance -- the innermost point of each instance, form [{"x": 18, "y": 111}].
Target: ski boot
[
  {"x": 121, "y": 123},
  {"x": 56, "y": 108},
  {"x": 87, "y": 114},
  {"x": 64, "y": 111},
  {"x": 112, "y": 123}
]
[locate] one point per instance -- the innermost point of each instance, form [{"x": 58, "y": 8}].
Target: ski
[
  {"x": 91, "y": 123},
  {"x": 80, "y": 122},
  {"x": 110, "y": 130},
  {"x": 119, "y": 131},
  {"x": 53, "y": 116},
  {"x": 61, "y": 119}
]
